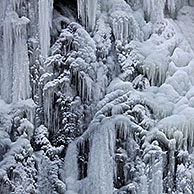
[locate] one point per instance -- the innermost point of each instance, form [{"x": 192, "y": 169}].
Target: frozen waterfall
[{"x": 97, "y": 96}]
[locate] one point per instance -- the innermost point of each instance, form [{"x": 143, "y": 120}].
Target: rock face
[{"x": 96, "y": 97}]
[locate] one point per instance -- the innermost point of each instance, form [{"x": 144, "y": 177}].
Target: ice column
[
  {"x": 45, "y": 23},
  {"x": 15, "y": 71}
]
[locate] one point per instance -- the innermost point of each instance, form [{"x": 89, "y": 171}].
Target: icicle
[
  {"x": 123, "y": 127},
  {"x": 21, "y": 87},
  {"x": 84, "y": 86},
  {"x": 15, "y": 83},
  {"x": 16, "y": 4},
  {"x": 154, "y": 10},
  {"x": 45, "y": 23},
  {"x": 87, "y": 12},
  {"x": 124, "y": 25}
]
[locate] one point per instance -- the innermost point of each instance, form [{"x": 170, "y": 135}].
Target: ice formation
[{"x": 100, "y": 102}]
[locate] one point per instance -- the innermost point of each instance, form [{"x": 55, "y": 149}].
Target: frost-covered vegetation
[{"x": 96, "y": 96}]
